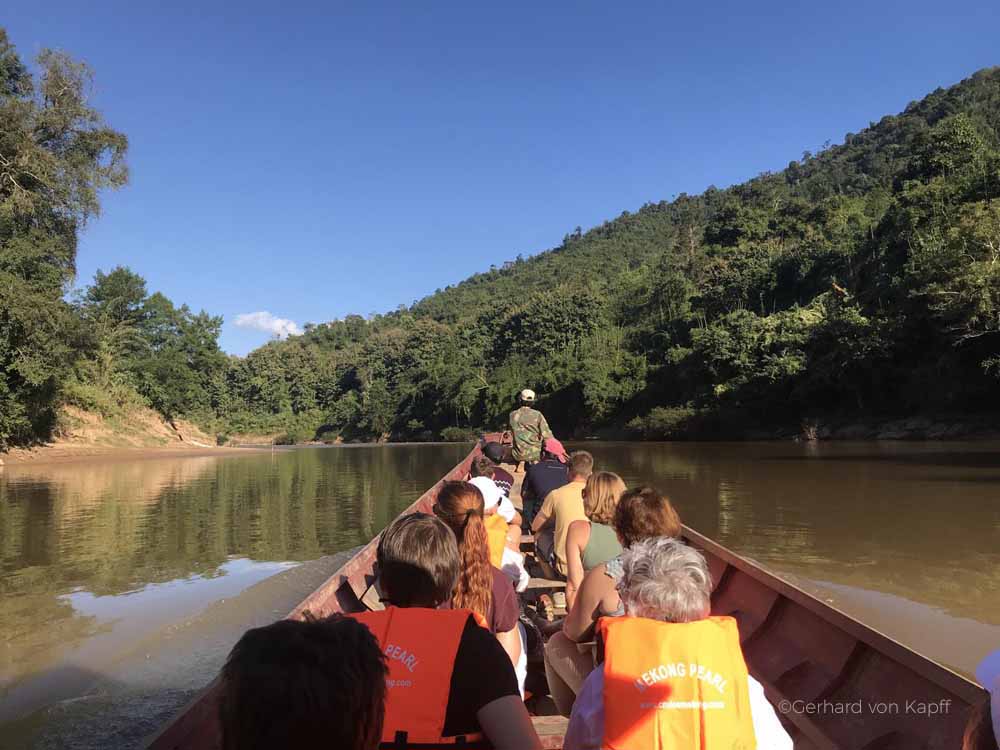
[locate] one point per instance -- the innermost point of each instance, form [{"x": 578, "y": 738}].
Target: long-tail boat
[{"x": 837, "y": 682}]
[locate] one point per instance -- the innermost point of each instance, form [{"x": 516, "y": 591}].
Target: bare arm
[
  {"x": 507, "y": 726},
  {"x": 595, "y": 588},
  {"x": 514, "y": 537},
  {"x": 539, "y": 522},
  {"x": 576, "y": 541},
  {"x": 511, "y": 642},
  {"x": 543, "y": 515}
]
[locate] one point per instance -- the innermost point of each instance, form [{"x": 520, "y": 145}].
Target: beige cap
[{"x": 527, "y": 395}]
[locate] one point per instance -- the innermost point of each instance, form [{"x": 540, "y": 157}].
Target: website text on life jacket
[
  {"x": 669, "y": 685},
  {"x": 419, "y": 646}
]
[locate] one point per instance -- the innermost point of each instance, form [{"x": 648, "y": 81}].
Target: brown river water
[{"x": 123, "y": 584}]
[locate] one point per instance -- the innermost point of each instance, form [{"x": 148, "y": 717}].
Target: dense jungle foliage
[{"x": 863, "y": 280}]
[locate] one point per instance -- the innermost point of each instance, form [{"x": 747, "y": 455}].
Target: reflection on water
[
  {"x": 107, "y": 569},
  {"x": 911, "y": 523},
  {"x": 93, "y": 554}
]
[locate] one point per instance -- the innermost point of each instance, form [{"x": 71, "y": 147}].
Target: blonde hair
[{"x": 601, "y": 495}]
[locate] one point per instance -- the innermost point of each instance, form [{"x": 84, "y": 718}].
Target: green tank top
[{"x": 601, "y": 547}]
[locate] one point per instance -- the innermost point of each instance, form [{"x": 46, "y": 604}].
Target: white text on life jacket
[
  {"x": 401, "y": 655},
  {"x": 680, "y": 669}
]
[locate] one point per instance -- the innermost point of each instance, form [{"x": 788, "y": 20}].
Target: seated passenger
[
  {"x": 540, "y": 478},
  {"x": 687, "y": 685},
  {"x": 983, "y": 729},
  {"x": 592, "y": 542},
  {"x": 642, "y": 513},
  {"x": 448, "y": 675},
  {"x": 562, "y": 506},
  {"x": 504, "y": 479},
  {"x": 503, "y": 535},
  {"x": 481, "y": 587},
  {"x": 496, "y": 501},
  {"x": 289, "y": 684}
]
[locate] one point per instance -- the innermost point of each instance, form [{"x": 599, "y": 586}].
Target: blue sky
[{"x": 313, "y": 159}]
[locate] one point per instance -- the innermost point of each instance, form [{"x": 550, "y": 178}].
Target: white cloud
[{"x": 265, "y": 321}]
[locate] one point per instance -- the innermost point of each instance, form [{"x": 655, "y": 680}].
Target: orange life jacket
[
  {"x": 496, "y": 535},
  {"x": 675, "y": 685},
  {"x": 420, "y": 647}
]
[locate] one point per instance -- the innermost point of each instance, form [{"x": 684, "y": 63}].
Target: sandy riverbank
[
  {"x": 142, "y": 434},
  {"x": 52, "y": 454}
]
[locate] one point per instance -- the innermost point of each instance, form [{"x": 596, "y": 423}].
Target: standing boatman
[{"x": 529, "y": 430}]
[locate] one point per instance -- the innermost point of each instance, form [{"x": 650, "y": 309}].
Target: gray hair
[{"x": 665, "y": 579}]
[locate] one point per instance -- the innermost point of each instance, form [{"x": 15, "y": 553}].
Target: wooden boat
[{"x": 837, "y": 683}]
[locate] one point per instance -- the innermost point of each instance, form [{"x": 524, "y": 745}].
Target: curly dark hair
[
  {"x": 482, "y": 466},
  {"x": 291, "y": 683}
]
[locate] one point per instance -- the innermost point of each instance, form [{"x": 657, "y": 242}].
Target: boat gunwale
[
  {"x": 191, "y": 717},
  {"x": 355, "y": 572},
  {"x": 346, "y": 573},
  {"x": 923, "y": 665}
]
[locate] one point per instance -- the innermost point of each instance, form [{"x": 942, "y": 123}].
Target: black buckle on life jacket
[{"x": 459, "y": 742}]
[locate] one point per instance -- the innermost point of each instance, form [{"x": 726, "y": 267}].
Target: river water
[{"x": 124, "y": 583}]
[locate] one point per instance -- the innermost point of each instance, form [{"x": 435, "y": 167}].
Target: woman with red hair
[{"x": 481, "y": 587}]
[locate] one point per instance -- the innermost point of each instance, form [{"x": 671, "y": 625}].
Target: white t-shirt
[
  {"x": 494, "y": 497},
  {"x": 586, "y": 724},
  {"x": 988, "y": 674}
]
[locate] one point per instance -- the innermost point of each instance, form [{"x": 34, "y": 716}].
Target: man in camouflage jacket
[{"x": 529, "y": 429}]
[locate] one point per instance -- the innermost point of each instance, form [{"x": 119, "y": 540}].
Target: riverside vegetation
[{"x": 860, "y": 280}]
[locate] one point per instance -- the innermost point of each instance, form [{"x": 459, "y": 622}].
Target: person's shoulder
[
  {"x": 498, "y": 576},
  {"x": 503, "y": 586},
  {"x": 478, "y": 640},
  {"x": 568, "y": 491},
  {"x": 578, "y": 533},
  {"x": 557, "y": 469}
]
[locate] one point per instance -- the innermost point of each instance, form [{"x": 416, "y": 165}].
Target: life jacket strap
[{"x": 400, "y": 741}]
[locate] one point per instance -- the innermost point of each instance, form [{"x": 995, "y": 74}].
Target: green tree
[
  {"x": 176, "y": 372},
  {"x": 56, "y": 154}
]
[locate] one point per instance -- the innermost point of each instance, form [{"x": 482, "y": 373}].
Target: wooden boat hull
[{"x": 836, "y": 682}]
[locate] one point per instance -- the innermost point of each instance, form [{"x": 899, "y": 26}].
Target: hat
[
  {"x": 553, "y": 446},
  {"x": 988, "y": 675},
  {"x": 527, "y": 395},
  {"x": 494, "y": 452},
  {"x": 493, "y": 497}
]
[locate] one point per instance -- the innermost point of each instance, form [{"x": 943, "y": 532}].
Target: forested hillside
[{"x": 864, "y": 280}]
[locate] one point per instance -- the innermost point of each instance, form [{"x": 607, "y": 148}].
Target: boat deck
[{"x": 539, "y": 601}]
